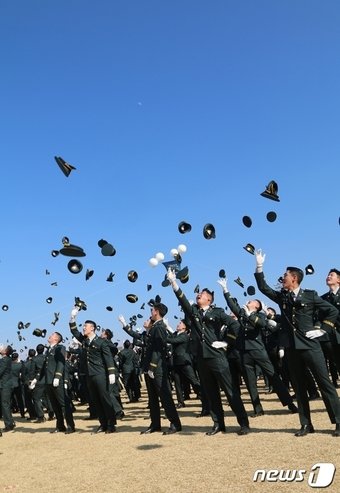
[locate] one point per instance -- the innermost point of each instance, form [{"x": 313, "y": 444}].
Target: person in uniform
[
  {"x": 182, "y": 362},
  {"x": 253, "y": 352},
  {"x": 53, "y": 370},
  {"x": 154, "y": 365},
  {"x": 305, "y": 316},
  {"x": 332, "y": 347},
  {"x": 17, "y": 385},
  {"x": 100, "y": 371},
  {"x": 6, "y": 386},
  {"x": 208, "y": 321}
]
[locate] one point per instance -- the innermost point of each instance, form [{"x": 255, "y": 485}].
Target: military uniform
[
  {"x": 6, "y": 392},
  {"x": 182, "y": 364},
  {"x": 253, "y": 352},
  {"x": 17, "y": 386},
  {"x": 98, "y": 364},
  {"x": 298, "y": 317},
  {"x": 212, "y": 364},
  {"x": 54, "y": 368},
  {"x": 158, "y": 387},
  {"x": 331, "y": 346}
]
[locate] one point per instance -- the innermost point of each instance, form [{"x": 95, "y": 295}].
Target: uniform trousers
[
  {"x": 298, "y": 360},
  {"x": 215, "y": 375}
]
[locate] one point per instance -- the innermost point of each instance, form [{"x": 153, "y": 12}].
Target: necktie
[{"x": 292, "y": 296}]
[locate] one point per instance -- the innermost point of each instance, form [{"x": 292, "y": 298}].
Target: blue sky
[{"x": 170, "y": 111}]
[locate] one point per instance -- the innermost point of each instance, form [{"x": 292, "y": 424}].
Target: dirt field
[{"x": 33, "y": 460}]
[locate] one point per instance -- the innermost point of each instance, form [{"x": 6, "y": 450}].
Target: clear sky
[{"x": 170, "y": 110}]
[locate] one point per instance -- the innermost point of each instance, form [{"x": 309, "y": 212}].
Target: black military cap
[
  {"x": 106, "y": 248},
  {"x": 183, "y": 275},
  {"x": 139, "y": 315},
  {"x": 39, "y": 332},
  {"x": 89, "y": 273},
  {"x": 271, "y": 191},
  {"x": 184, "y": 227},
  {"x": 54, "y": 283},
  {"x": 173, "y": 265},
  {"x": 309, "y": 270},
  {"x": 209, "y": 231},
  {"x": 80, "y": 303},
  {"x": 250, "y": 248},
  {"x": 20, "y": 325},
  {"x": 71, "y": 250},
  {"x": 132, "y": 276},
  {"x": 239, "y": 282},
  {"x": 148, "y": 287},
  {"x": 4, "y": 308},
  {"x": 251, "y": 290},
  {"x": 109, "y": 308},
  {"x": 75, "y": 266},
  {"x": 110, "y": 277},
  {"x": 65, "y": 167},
  {"x": 271, "y": 216},
  {"x": 142, "y": 307},
  {"x": 197, "y": 289},
  {"x": 247, "y": 221},
  {"x": 132, "y": 298},
  {"x": 222, "y": 274},
  {"x": 47, "y": 272},
  {"x": 158, "y": 299},
  {"x": 49, "y": 299},
  {"x": 55, "y": 253}
]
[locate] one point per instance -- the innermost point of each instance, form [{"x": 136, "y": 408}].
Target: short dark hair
[
  {"x": 260, "y": 305},
  {"x": 108, "y": 333},
  {"x": 337, "y": 272},
  {"x": 31, "y": 353},
  {"x": 297, "y": 272},
  {"x": 127, "y": 344},
  {"x": 15, "y": 355},
  {"x": 211, "y": 293},
  {"x": 40, "y": 348},
  {"x": 91, "y": 322},
  {"x": 60, "y": 337},
  {"x": 161, "y": 308}
]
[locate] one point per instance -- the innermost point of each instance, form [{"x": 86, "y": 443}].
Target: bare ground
[{"x": 33, "y": 460}]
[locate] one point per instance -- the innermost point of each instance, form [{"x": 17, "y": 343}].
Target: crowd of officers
[{"x": 212, "y": 352}]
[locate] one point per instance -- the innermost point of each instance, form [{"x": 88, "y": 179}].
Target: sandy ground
[{"x": 33, "y": 460}]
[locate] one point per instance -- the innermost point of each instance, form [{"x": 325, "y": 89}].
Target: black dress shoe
[
  {"x": 180, "y": 405},
  {"x": 8, "y": 428},
  {"x": 69, "y": 431},
  {"x": 304, "y": 430},
  {"x": 172, "y": 429},
  {"x": 40, "y": 420},
  {"x": 256, "y": 415},
  {"x": 216, "y": 429},
  {"x": 110, "y": 429},
  {"x": 100, "y": 429},
  {"x": 120, "y": 415},
  {"x": 150, "y": 430},
  {"x": 244, "y": 430},
  {"x": 58, "y": 431},
  {"x": 336, "y": 432},
  {"x": 203, "y": 413}
]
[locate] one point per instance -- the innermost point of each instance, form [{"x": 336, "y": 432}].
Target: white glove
[
  {"x": 219, "y": 344},
  {"x": 260, "y": 257},
  {"x": 313, "y": 334},
  {"x": 271, "y": 323},
  {"x": 122, "y": 320},
  {"x": 55, "y": 382},
  {"x": 74, "y": 313},
  {"x": 151, "y": 374},
  {"x": 264, "y": 307},
  {"x": 223, "y": 283},
  {"x": 245, "y": 308},
  {"x": 32, "y": 384},
  {"x": 281, "y": 353},
  {"x": 65, "y": 386},
  {"x": 112, "y": 378},
  {"x": 171, "y": 275}
]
